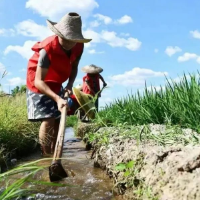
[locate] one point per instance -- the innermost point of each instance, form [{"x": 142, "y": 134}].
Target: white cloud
[
  {"x": 136, "y": 76},
  {"x": 104, "y": 101},
  {"x": 170, "y": 51},
  {"x": 56, "y": 9},
  {"x": 113, "y": 40},
  {"x": 93, "y": 51},
  {"x": 105, "y": 19},
  {"x": 94, "y": 23},
  {"x": 87, "y": 45},
  {"x": 195, "y": 34},
  {"x": 108, "y": 20},
  {"x": 106, "y": 98},
  {"x": 16, "y": 81},
  {"x": 25, "y": 50},
  {"x": 179, "y": 79},
  {"x": 125, "y": 20},
  {"x": 156, "y": 50},
  {"x": 198, "y": 59},
  {"x": 154, "y": 88},
  {"x": 31, "y": 29},
  {"x": 96, "y": 37},
  {"x": 188, "y": 56},
  {"x": 7, "y": 32}
]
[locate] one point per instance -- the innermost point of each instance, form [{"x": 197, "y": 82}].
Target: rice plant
[{"x": 178, "y": 103}]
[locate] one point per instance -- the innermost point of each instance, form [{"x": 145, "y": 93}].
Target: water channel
[{"x": 88, "y": 183}]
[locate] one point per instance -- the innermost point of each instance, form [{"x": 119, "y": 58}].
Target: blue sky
[{"x": 133, "y": 41}]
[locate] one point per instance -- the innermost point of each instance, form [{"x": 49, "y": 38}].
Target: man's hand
[
  {"x": 104, "y": 84},
  {"x": 61, "y": 104},
  {"x": 68, "y": 88}
]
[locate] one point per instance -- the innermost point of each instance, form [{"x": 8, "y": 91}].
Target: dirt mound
[{"x": 148, "y": 170}]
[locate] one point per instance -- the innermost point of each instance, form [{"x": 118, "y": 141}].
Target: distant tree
[
  {"x": 17, "y": 90},
  {"x": 23, "y": 89}
]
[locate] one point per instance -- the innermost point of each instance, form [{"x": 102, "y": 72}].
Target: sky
[{"x": 133, "y": 41}]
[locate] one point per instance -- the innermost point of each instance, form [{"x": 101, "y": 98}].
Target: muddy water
[{"x": 88, "y": 183}]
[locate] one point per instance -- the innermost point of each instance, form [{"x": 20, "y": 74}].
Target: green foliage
[
  {"x": 17, "y": 134},
  {"x": 72, "y": 121},
  {"x": 130, "y": 171},
  {"x": 178, "y": 103},
  {"x": 97, "y": 138},
  {"x": 126, "y": 167},
  {"x": 18, "y": 90},
  {"x": 16, "y": 187}
]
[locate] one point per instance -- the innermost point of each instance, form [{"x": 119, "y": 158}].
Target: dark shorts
[{"x": 40, "y": 106}]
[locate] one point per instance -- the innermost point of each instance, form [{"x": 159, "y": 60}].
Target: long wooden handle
[{"x": 60, "y": 138}]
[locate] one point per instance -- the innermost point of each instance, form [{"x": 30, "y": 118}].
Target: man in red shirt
[
  {"x": 91, "y": 84},
  {"x": 55, "y": 60}
]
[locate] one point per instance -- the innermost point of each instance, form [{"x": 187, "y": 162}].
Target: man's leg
[
  {"x": 46, "y": 135},
  {"x": 42, "y": 108}
]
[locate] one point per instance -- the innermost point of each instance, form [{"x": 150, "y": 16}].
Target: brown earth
[{"x": 169, "y": 172}]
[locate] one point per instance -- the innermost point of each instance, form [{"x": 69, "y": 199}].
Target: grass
[
  {"x": 177, "y": 106},
  {"x": 15, "y": 187},
  {"x": 72, "y": 121},
  {"x": 178, "y": 103},
  {"x": 17, "y": 135}
]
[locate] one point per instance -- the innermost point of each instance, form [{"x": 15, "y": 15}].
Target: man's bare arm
[
  {"x": 42, "y": 86},
  {"x": 102, "y": 79},
  {"x": 73, "y": 75},
  {"x": 74, "y": 72}
]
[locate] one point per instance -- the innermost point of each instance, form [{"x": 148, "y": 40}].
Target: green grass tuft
[
  {"x": 178, "y": 103},
  {"x": 17, "y": 135}
]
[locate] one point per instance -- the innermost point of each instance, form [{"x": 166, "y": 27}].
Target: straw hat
[
  {"x": 85, "y": 103},
  {"x": 92, "y": 69},
  {"x": 69, "y": 28}
]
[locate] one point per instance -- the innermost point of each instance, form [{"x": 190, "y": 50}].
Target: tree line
[{"x": 17, "y": 90}]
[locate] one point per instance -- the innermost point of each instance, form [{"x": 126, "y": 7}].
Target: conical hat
[
  {"x": 69, "y": 28},
  {"x": 92, "y": 69},
  {"x": 86, "y": 104}
]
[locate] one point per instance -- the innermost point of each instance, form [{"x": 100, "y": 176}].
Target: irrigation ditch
[{"x": 154, "y": 162}]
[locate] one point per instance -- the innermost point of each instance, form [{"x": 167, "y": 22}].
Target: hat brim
[
  {"x": 86, "y": 104},
  {"x": 91, "y": 70},
  {"x": 51, "y": 25}
]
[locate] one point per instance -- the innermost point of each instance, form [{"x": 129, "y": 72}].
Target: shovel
[{"x": 56, "y": 170}]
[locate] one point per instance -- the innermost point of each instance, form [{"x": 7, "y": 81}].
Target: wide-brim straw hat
[
  {"x": 69, "y": 28},
  {"x": 92, "y": 69},
  {"x": 85, "y": 102}
]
